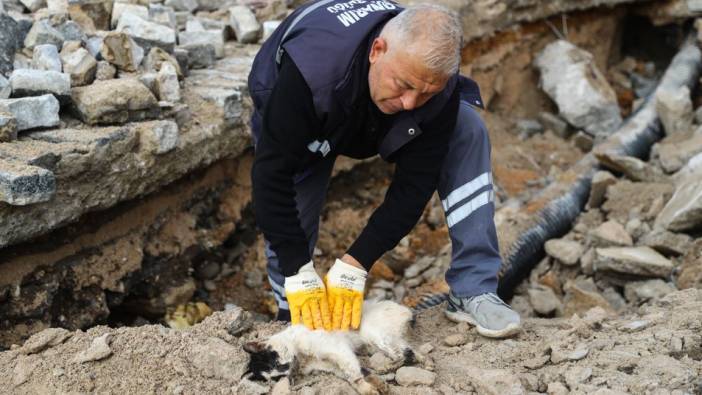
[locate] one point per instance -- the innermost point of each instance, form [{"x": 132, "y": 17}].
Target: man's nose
[{"x": 409, "y": 100}]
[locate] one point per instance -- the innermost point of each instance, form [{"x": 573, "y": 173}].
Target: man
[{"x": 360, "y": 78}]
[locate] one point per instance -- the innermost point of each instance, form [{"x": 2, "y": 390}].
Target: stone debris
[
  {"x": 684, "y": 210},
  {"x": 43, "y": 33},
  {"x": 162, "y": 15},
  {"x": 167, "y": 86},
  {"x": 99, "y": 349},
  {"x": 610, "y": 233},
  {"x": 641, "y": 261},
  {"x": 205, "y": 37},
  {"x": 568, "y": 252},
  {"x": 114, "y": 101},
  {"x": 120, "y": 8},
  {"x": 554, "y": 123},
  {"x": 105, "y": 71},
  {"x": 80, "y": 64},
  {"x": 147, "y": 34},
  {"x": 561, "y": 353},
  {"x": 455, "y": 340},
  {"x": 495, "y": 381},
  {"x": 8, "y": 127},
  {"x": 581, "y": 295},
  {"x": 182, "y": 5},
  {"x": 380, "y": 363},
  {"x": 245, "y": 25},
  {"x": 673, "y": 155},
  {"x": 91, "y": 15},
  {"x": 28, "y": 82},
  {"x": 33, "y": 112},
  {"x": 157, "y": 57},
  {"x": 526, "y": 128},
  {"x": 44, "y": 339},
  {"x": 665, "y": 242},
  {"x": 33, "y": 5},
  {"x": 161, "y": 135},
  {"x": 408, "y": 376},
  {"x": 200, "y": 56},
  {"x": 120, "y": 50},
  {"x": 5, "y": 88},
  {"x": 675, "y": 110},
  {"x": 640, "y": 292},
  {"x": 21, "y": 184},
  {"x": 544, "y": 301},
  {"x": 583, "y": 95},
  {"x": 46, "y": 57},
  {"x": 600, "y": 181},
  {"x": 633, "y": 168},
  {"x": 9, "y": 30},
  {"x": 71, "y": 31}
]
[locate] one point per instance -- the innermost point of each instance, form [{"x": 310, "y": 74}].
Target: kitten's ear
[{"x": 254, "y": 347}]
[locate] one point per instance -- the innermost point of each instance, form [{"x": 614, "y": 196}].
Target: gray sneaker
[{"x": 491, "y": 316}]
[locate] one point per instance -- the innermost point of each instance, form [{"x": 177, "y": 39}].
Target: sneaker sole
[{"x": 510, "y": 330}]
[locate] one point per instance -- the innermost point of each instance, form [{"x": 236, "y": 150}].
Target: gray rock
[
  {"x": 182, "y": 61},
  {"x": 380, "y": 363},
  {"x": 5, "y": 88},
  {"x": 633, "y": 168},
  {"x": 218, "y": 359},
  {"x": 91, "y": 15},
  {"x": 22, "y": 184},
  {"x": 561, "y": 354},
  {"x": 167, "y": 85},
  {"x": 99, "y": 349},
  {"x": 544, "y": 300},
  {"x": 674, "y": 108},
  {"x": 610, "y": 233},
  {"x": 9, "y": 30},
  {"x": 46, "y": 57},
  {"x": 126, "y": 8},
  {"x": 494, "y": 381},
  {"x": 28, "y": 82},
  {"x": 555, "y": 124},
  {"x": 556, "y": 388},
  {"x": 163, "y": 15},
  {"x": 567, "y": 252},
  {"x": 119, "y": 49},
  {"x": 114, "y": 101},
  {"x": 528, "y": 127},
  {"x": 577, "y": 375},
  {"x": 638, "y": 261},
  {"x": 643, "y": 291},
  {"x": 8, "y": 127},
  {"x": 674, "y": 155},
  {"x": 33, "y": 112},
  {"x": 33, "y": 5},
  {"x": 80, "y": 64},
  {"x": 149, "y": 80},
  {"x": 200, "y": 56},
  {"x": 637, "y": 228},
  {"x": 667, "y": 243},
  {"x": 409, "y": 375},
  {"x": 94, "y": 45},
  {"x": 162, "y": 136},
  {"x": 194, "y": 25},
  {"x": 182, "y": 5},
  {"x": 455, "y": 340},
  {"x": 269, "y": 27},
  {"x": 71, "y": 31},
  {"x": 157, "y": 57},
  {"x": 105, "y": 71},
  {"x": 418, "y": 267},
  {"x": 212, "y": 38},
  {"x": 244, "y": 23},
  {"x": 57, "y": 6},
  {"x": 147, "y": 34},
  {"x": 45, "y": 339},
  {"x": 684, "y": 210},
  {"x": 583, "y": 95},
  {"x": 43, "y": 33},
  {"x": 583, "y": 141},
  {"x": 600, "y": 181}
]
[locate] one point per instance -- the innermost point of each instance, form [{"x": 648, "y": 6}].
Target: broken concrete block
[
  {"x": 182, "y": 5},
  {"x": 269, "y": 27},
  {"x": 9, "y": 30},
  {"x": 43, "y": 33},
  {"x": 244, "y": 23},
  {"x": 163, "y": 15},
  {"x": 8, "y": 127},
  {"x": 124, "y": 8},
  {"x": 675, "y": 110},
  {"x": 200, "y": 56},
  {"x": 147, "y": 34},
  {"x": 583, "y": 95},
  {"x": 568, "y": 252},
  {"x": 22, "y": 184},
  {"x": 81, "y": 65},
  {"x": 105, "y": 71},
  {"x": 114, "y": 101},
  {"x": 91, "y": 15},
  {"x": 71, "y": 31},
  {"x": 213, "y": 38},
  {"x": 600, "y": 181},
  {"x": 28, "y": 82},
  {"x": 33, "y": 112},
  {"x": 665, "y": 242},
  {"x": 120, "y": 50},
  {"x": 167, "y": 84},
  {"x": 33, "y": 5},
  {"x": 674, "y": 155},
  {"x": 155, "y": 59},
  {"x": 684, "y": 210},
  {"x": 610, "y": 233},
  {"x": 637, "y": 261},
  {"x": 46, "y": 57},
  {"x": 5, "y": 88}
]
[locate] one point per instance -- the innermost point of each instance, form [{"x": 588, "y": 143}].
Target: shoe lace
[{"x": 490, "y": 296}]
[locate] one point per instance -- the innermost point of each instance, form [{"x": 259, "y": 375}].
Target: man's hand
[
  {"x": 308, "y": 299},
  {"x": 345, "y": 285}
]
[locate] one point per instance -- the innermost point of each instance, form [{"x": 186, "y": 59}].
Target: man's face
[{"x": 398, "y": 81}]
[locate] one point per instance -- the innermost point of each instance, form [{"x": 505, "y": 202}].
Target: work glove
[
  {"x": 345, "y": 284},
  {"x": 307, "y": 299}
]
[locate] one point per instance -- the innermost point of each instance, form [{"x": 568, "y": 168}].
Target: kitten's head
[{"x": 267, "y": 364}]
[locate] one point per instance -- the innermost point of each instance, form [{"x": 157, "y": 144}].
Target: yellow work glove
[
  {"x": 307, "y": 299},
  {"x": 345, "y": 284}
]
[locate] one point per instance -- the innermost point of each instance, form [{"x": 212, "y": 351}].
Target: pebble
[
  {"x": 455, "y": 340},
  {"x": 426, "y": 348},
  {"x": 99, "y": 349},
  {"x": 410, "y": 375},
  {"x": 380, "y": 363},
  {"x": 557, "y": 389},
  {"x": 559, "y": 355},
  {"x": 577, "y": 375}
]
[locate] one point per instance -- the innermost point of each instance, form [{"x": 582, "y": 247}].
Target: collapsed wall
[{"x": 118, "y": 213}]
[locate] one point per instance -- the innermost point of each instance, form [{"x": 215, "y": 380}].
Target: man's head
[{"x": 413, "y": 57}]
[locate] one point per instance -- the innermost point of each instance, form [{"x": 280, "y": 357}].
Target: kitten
[{"x": 383, "y": 328}]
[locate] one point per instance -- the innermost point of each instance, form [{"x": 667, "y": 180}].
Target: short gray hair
[{"x": 432, "y": 32}]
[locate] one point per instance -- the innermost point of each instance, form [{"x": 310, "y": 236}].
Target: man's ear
[
  {"x": 378, "y": 48},
  {"x": 254, "y": 347}
]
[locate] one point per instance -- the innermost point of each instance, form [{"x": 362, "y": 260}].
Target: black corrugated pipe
[{"x": 634, "y": 138}]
